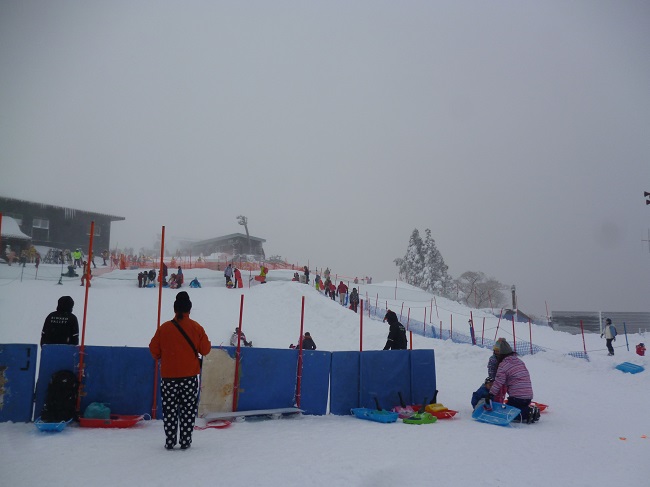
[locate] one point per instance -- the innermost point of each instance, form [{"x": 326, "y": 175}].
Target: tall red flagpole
[
  {"x": 154, "y": 406},
  {"x": 235, "y": 387},
  {"x": 83, "y": 328},
  {"x": 299, "y": 378}
]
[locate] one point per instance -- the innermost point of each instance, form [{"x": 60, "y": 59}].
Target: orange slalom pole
[
  {"x": 299, "y": 378},
  {"x": 235, "y": 388},
  {"x": 154, "y": 405},
  {"x": 83, "y": 328}
]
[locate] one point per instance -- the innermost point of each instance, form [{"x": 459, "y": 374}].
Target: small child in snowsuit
[{"x": 483, "y": 392}]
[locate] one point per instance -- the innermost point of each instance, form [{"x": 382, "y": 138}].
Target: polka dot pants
[{"x": 179, "y": 405}]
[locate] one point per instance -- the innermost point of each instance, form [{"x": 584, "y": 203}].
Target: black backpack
[{"x": 61, "y": 397}]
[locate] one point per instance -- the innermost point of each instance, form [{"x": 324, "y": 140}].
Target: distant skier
[
  {"x": 354, "y": 299},
  {"x": 342, "y": 289},
  {"x": 228, "y": 273},
  {"x": 610, "y": 336},
  {"x": 233, "y": 338},
  {"x": 308, "y": 342}
]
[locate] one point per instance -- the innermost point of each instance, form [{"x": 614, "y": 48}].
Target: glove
[
  {"x": 614, "y": 339},
  {"x": 601, "y": 335}
]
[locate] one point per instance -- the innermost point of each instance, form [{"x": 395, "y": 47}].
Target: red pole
[
  {"x": 361, "y": 326},
  {"x": 430, "y": 310},
  {"x": 441, "y": 329},
  {"x": 408, "y": 317},
  {"x": 83, "y": 328},
  {"x": 411, "y": 337},
  {"x": 530, "y": 330},
  {"x": 582, "y": 329},
  {"x": 235, "y": 388},
  {"x": 401, "y": 311},
  {"x": 498, "y": 323},
  {"x": 514, "y": 338},
  {"x": 299, "y": 378},
  {"x": 377, "y": 300},
  {"x": 154, "y": 406}
]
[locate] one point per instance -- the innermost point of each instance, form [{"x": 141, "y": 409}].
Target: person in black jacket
[
  {"x": 396, "y": 335},
  {"x": 308, "y": 342},
  {"x": 61, "y": 326}
]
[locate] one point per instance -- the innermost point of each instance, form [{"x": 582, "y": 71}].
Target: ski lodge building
[{"x": 52, "y": 226}]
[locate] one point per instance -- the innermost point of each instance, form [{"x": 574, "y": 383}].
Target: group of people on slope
[{"x": 233, "y": 277}]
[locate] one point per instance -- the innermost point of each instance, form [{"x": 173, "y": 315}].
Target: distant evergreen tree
[
  {"x": 423, "y": 265},
  {"x": 435, "y": 278}
]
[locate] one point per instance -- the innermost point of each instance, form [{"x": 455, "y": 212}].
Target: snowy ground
[{"x": 593, "y": 434}]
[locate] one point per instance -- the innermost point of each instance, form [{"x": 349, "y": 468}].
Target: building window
[
  {"x": 98, "y": 231},
  {"x": 41, "y": 223}
]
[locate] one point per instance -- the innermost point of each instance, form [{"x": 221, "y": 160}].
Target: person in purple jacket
[{"x": 513, "y": 375}]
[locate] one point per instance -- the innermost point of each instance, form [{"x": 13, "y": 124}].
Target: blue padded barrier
[
  {"x": 357, "y": 378},
  {"x": 423, "y": 375},
  {"x": 17, "y": 378},
  {"x": 344, "y": 382},
  {"x": 267, "y": 378},
  {"x": 53, "y": 359},
  {"x": 121, "y": 377},
  {"x": 315, "y": 382},
  {"x": 383, "y": 375}
]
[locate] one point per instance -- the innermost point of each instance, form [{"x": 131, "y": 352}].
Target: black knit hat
[
  {"x": 182, "y": 303},
  {"x": 66, "y": 303}
]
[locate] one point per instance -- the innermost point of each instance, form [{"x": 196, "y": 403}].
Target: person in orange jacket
[
  {"x": 238, "y": 280},
  {"x": 177, "y": 344}
]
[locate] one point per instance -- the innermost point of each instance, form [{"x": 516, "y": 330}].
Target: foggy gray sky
[{"x": 518, "y": 131}]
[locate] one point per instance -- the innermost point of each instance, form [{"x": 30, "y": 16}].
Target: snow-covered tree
[
  {"x": 435, "y": 278},
  {"x": 423, "y": 265}
]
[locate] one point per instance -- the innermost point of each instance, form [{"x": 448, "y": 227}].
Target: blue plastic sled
[
  {"x": 500, "y": 415},
  {"x": 631, "y": 368},
  {"x": 375, "y": 415},
  {"x": 51, "y": 427}
]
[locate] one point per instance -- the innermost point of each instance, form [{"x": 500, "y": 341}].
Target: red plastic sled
[{"x": 115, "y": 421}]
